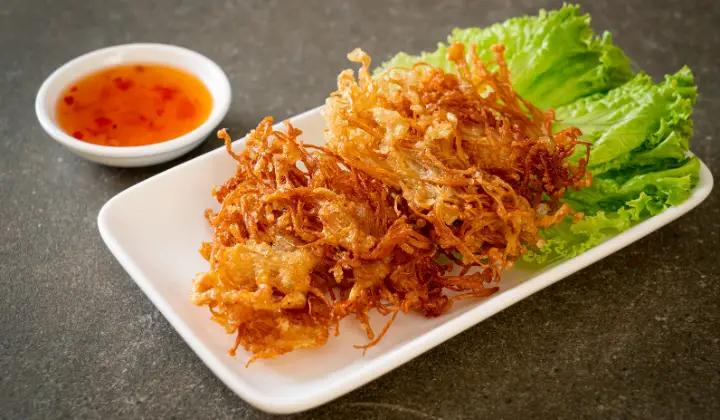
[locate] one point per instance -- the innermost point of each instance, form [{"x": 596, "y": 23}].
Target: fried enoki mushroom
[
  {"x": 472, "y": 159},
  {"x": 423, "y": 169},
  {"x": 302, "y": 240}
]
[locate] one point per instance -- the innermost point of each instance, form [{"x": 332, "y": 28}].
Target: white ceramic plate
[{"x": 155, "y": 228}]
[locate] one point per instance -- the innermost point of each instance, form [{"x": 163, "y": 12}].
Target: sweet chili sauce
[{"x": 133, "y": 105}]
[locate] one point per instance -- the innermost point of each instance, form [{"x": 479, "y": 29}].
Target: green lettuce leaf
[
  {"x": 640, "y": 160},
  {"x": 571, "y": 239},
  {"x": 554, "y": 58},
  {"x": 638, "y": 124},
  {"x": 612, "y": 206}
]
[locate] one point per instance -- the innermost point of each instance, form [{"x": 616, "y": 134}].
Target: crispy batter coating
[
  {"x": 298, "y": 226},
  {"x": 424, "y": 169},
  {"x": 470, "y": 157}
]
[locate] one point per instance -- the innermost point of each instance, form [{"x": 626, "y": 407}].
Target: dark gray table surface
[{"x": 635, "y": 335}]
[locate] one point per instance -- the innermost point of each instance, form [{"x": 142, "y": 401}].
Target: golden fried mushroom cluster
[
  {"x": 424, "y": 170},
  {"x": 470, "y": 157}
]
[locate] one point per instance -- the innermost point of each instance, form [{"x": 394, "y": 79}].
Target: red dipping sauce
[{"x": 133, "y": 105}]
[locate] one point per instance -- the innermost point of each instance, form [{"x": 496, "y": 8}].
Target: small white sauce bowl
[{"x": 181, "y": 58}]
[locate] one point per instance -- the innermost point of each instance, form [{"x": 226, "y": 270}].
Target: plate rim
[{"x": 407, "y": 351}]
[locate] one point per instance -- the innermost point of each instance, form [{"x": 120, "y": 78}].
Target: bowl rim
[{"x": 221, "y": 103}]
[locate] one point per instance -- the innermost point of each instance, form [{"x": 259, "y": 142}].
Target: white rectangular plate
[{"x": 155, "y": 228}]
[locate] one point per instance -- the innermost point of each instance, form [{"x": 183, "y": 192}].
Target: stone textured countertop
[{"x": 636, "y": 335}]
